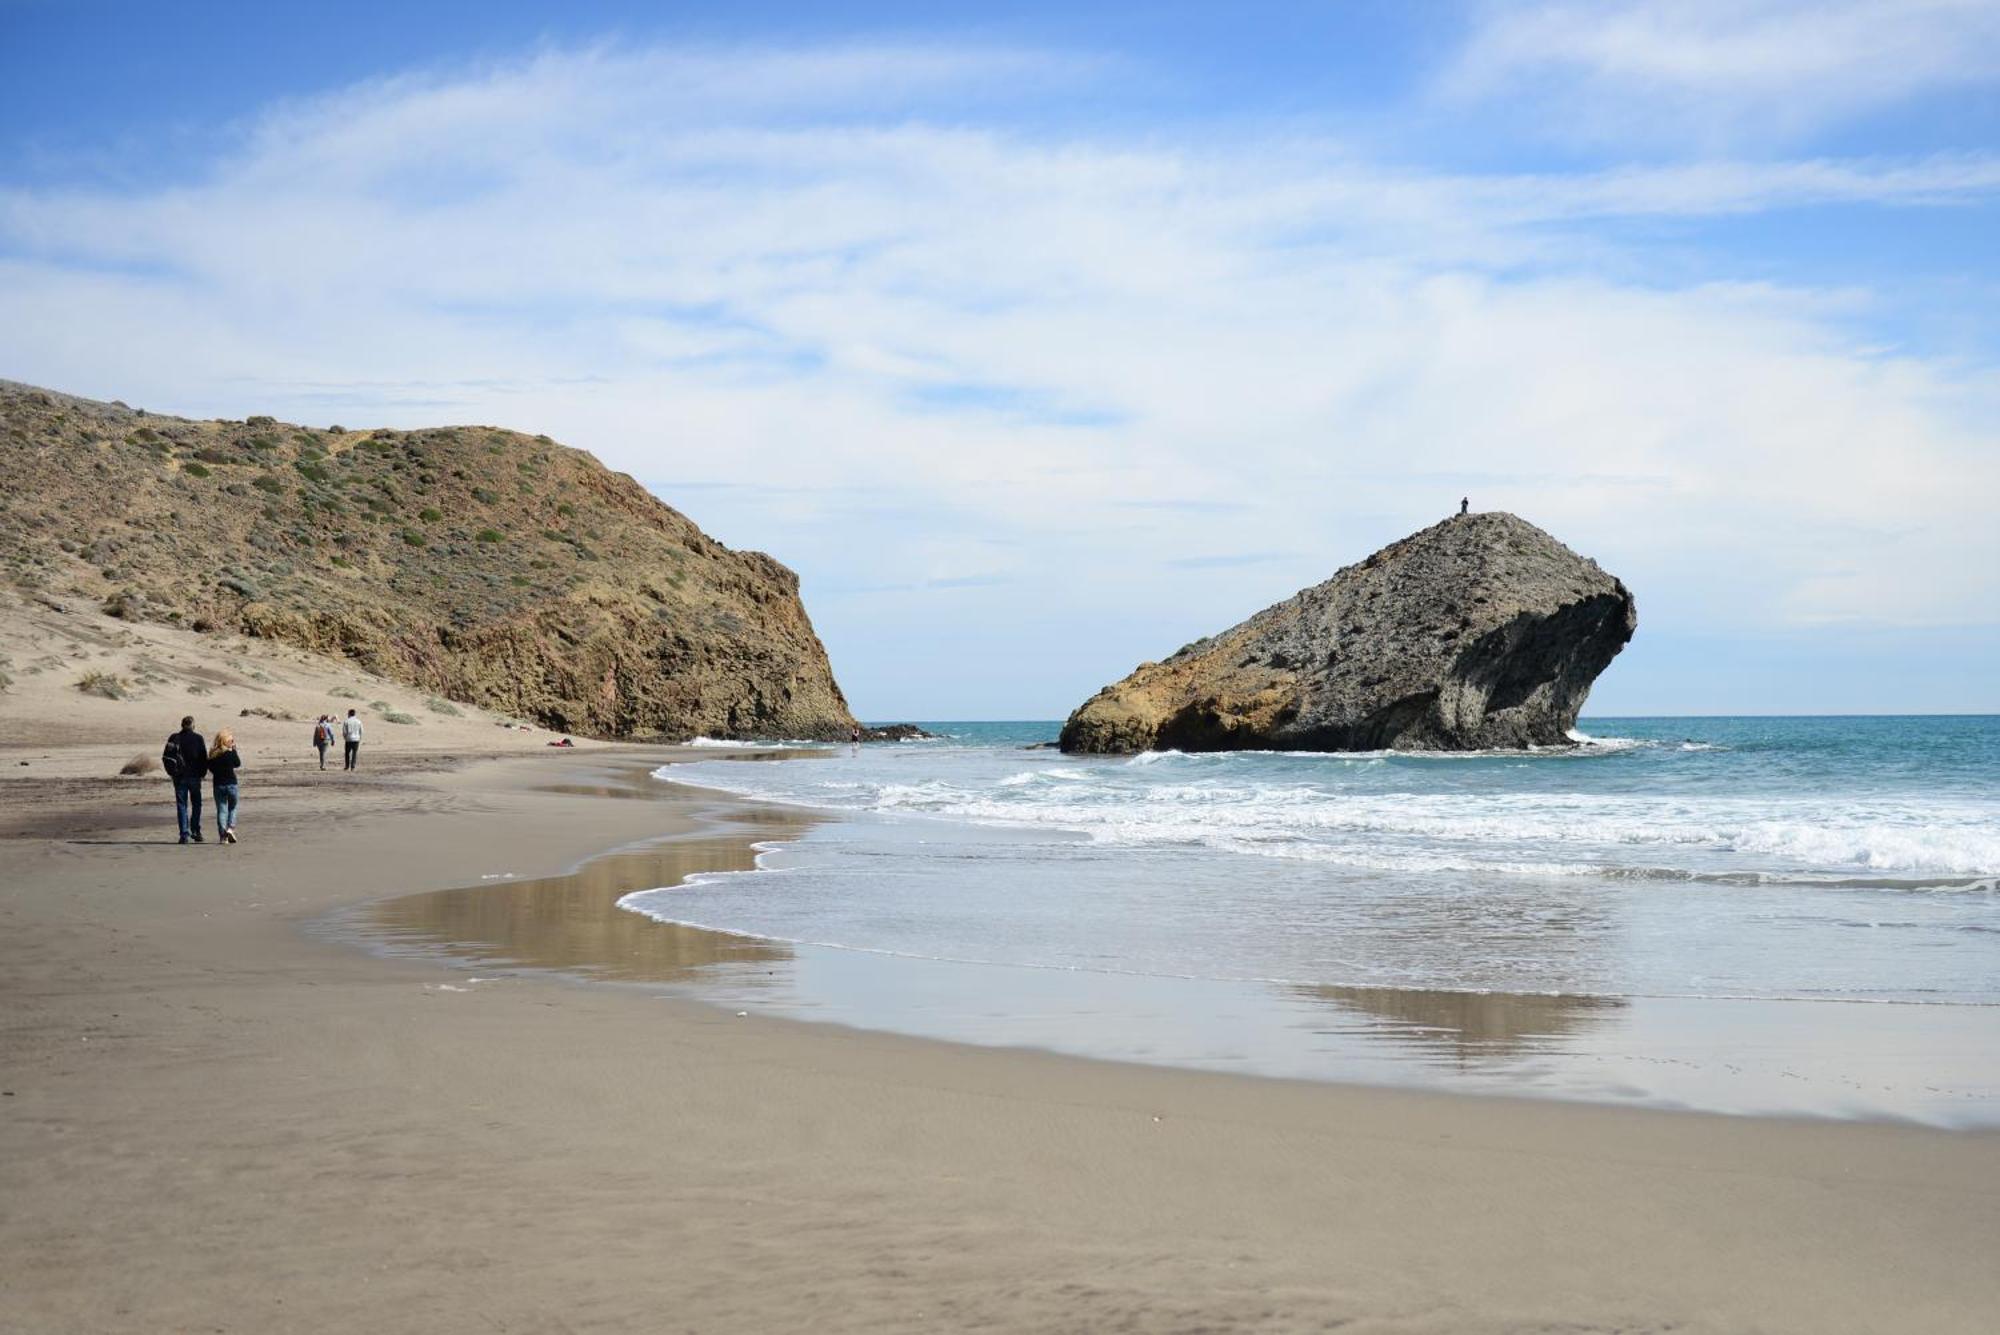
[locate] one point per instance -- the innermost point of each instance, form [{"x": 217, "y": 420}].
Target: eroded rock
[{"x": 1479, "y": 632}]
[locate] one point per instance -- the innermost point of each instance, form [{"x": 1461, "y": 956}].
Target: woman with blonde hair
[{"x": 223, "y": 762}]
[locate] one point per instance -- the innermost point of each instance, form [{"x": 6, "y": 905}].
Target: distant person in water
[
  {"x": 350, "y": 728},
  {"x": 323, "y": 737},
  {"x": 856, "y": 738},
  {"x": 185, "y": 760},
  {"x": 223, "y": 762},
  {"x": 1464, "y": 505}
]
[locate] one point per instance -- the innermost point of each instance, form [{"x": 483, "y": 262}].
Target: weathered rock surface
[
  {"x": 897, "y": 732},
  {"x": 478, "y": 564},
  {"x": 1482, "y": 631}
]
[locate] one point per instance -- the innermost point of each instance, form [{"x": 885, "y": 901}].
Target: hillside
[{"x": 471, "y": 563}]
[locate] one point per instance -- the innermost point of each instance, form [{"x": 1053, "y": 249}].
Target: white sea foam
[
  {"x": 730, "y": 744},
  {"x": 1510, "y": 833}
]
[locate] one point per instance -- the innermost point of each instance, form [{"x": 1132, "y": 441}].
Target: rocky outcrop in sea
[{"x": 1479, "y": 632}]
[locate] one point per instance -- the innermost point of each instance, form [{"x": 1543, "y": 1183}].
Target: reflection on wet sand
[
  {"x": 573, "y": 923},
  {"x": 1465, "y": 1028}
]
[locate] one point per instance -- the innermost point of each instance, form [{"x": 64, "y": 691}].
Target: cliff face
[
  {"x": 1482, "y": 631},
  {"x": 475, "y": 563}
]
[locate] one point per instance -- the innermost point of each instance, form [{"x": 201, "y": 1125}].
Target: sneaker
[
  {"x": 229, "y": 835},
  {"x": 197, "y": 839},
  {"x": 184, "y": 838}
]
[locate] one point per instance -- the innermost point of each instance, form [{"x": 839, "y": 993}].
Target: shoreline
[
  {"x": 212, "y": 1118},
  {"x": 1747, "y": 1056}
]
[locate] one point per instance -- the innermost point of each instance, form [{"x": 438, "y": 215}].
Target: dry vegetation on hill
[{"x": 476, "y": 564}]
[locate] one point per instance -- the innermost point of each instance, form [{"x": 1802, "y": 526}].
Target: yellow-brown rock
[{"x": 478, "y": 564}]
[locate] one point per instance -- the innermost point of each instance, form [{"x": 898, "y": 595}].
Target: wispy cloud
[
  {"x": 884, "y": 330},
  {"x": 1229, "y": 561},
  {"x": 1717, "y": 70}
]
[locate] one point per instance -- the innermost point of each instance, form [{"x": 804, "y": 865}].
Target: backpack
[{"x": 171, "y": 758}]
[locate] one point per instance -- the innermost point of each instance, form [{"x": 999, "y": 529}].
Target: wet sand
[{"x": 218, "y": 1116}]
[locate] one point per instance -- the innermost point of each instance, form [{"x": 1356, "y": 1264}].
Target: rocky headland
[
  {"x": 1479, "y": 632},
  {"x": 473, "y": 563}
]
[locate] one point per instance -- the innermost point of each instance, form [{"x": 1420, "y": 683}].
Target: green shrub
[
  {"x": 268, "y": 483},
  {"x": 344, "y": 692},
  {"x": 103, "y": 685},
  {"x": 484, "y": 495},
  {"x": 413, "y": 538},
  {"x": 194, "y": 470},
  {"x": 312, "y": 472},
  {"x": 489, "y": 535},
  {"x": 439, "y": 705},
  {"x": 342, "y": 562},
  {"x": 430, "y": 515},
  {"x": 379, "y": 706},
  {"x": 566, "y": 509},
  {"x": 393, "y": 717}
]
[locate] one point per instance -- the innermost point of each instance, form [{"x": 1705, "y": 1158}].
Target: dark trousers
[
  {"x": 353, "y": 754},
  {"x": 187, "y": 806}
]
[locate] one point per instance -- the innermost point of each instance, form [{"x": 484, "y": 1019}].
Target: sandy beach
[{"x": 215, "y": 1119}]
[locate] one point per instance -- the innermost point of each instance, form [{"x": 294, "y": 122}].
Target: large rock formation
[
  {"x": 479, "y": 564},
  {"x": 1482, "y": 631}
]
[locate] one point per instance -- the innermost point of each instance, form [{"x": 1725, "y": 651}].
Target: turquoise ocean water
[{"x": 1547, "y": 899}]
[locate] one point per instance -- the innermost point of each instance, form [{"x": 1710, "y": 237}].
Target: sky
[{"x": 1043, "y": 339}]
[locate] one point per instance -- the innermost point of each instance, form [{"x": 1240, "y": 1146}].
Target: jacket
[
  {"x": 222, "y": 768},
  {"x": 193, "y": 749}
]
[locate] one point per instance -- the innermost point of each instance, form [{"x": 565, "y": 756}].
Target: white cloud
[
  {"x": 1710, "y": 70},
  {"x": 960, "y": 354}
]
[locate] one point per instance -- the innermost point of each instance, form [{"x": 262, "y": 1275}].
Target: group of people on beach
[
  {"x": 188, "y": 758},
  {"x": 349, "y": 729}
]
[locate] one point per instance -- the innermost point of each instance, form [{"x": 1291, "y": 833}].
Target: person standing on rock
[
  {"x": 350, "y": 728},
  {"x": 223, "y": 762},
  {"x": 1464, "y": 506},
  {"x": 185, "y": 760}
]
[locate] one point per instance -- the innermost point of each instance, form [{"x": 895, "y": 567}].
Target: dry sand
[
  {"x": 213, "y": 1120},
  {"x": 267, "y": 693}
]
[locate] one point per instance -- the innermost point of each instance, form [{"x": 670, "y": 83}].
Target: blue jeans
[
  {"x": 225, "y": 807},
  {"x": 187, "y": 806}
]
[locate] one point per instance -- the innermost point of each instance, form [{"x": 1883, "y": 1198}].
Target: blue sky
[{"x": 1041, "y": 342}]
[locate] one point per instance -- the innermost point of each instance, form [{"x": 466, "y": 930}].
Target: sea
[{"x": 1754, "y": 915}]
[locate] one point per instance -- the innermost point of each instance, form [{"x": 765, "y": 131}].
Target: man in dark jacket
[{"x": 186, "y": 760}]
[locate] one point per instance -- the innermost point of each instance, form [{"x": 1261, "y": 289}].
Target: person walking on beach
[
  {"x": 223, "y": 762},
  {"x": 185, "y": 760},
  {"x": 322, "y": 737},
  {"x": 350, "y": 728}
]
